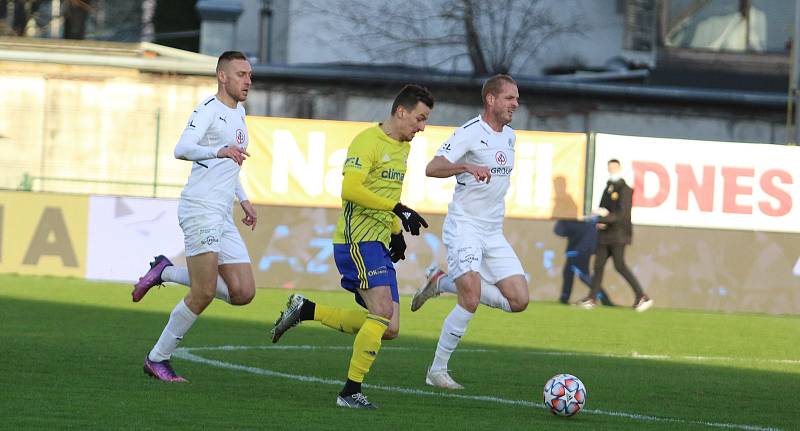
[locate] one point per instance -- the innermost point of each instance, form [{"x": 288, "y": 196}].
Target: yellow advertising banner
[
  {"x": 299, "y": 163},
  {"x": 43, "y": 233}
]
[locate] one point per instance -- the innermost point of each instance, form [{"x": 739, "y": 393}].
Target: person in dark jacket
[
  {"x": 614, "y": 233},
  {"x": 581, "y": 238}
]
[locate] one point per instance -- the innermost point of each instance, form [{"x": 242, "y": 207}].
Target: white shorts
[
  {"x": 473, "y": 249},
  {"x": 205, "y": 231}
]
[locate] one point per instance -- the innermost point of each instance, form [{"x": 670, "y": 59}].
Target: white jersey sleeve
[
  {"x": 194, "y": 143},
  {"x": 240, "y": 193},
  {"x": 456, "y": 146}
]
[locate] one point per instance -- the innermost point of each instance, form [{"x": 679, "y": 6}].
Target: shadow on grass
[{"x": 80, "y": 366}]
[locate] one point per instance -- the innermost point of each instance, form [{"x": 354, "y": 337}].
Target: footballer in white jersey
[
  {"x": 217, "y": 263},
  {"x": 482, "y": 266},
  {"x": 211, "y": 127},
  {"x": 204, "y": 211},
  {"x": 476, "y": 143},
  {"x": 473, "y": 227}
]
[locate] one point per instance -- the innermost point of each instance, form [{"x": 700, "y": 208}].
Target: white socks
[
  {"x": 492, "y": 297},
  {"x": 180, "y": 320},
  {"x": 446, "y": 284},
  {"x": 180, "y": 275},
  {"x": 490, "y": 294},
  {"x": 454, "y": 327}
]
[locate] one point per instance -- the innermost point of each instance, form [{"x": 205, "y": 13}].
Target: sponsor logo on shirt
[
  {"x": 501, "y": 170},
  {"x": 352, "y": 162},
  {"x": 240, "y": 136},
  {"x": 391, "y": 174},
  {"x": 501, "y": 158}
]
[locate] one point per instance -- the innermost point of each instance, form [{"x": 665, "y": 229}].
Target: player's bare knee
[
  {"x": 518, "y": 304},
  {"x": 391, "y": 333},
  {"x": 201, "y": 298},
  {"x": 385, "y": 311},
  {"x": 242, "y": 298},
  {"x": 470, "y": 302}
]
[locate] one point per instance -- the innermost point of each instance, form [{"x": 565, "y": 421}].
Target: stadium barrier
[
  {"x": 715, "y": 222},
  {"x": 113, "y": 238}
]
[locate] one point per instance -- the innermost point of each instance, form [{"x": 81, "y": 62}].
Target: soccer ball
[{"x": 564, "y": 395}]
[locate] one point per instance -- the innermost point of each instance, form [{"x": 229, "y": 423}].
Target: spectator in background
[
  {"x": 581, "y": 238},
  {"x": 615, "y": 232}
]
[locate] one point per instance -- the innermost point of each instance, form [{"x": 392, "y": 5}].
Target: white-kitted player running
[
  {"x": 480, "y": 154},
  {"x": 215, "y": 141}
]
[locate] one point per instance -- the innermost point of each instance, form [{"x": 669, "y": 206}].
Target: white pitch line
[
  {"x": 184, "y": 353},
  {"x": 632, "y": 355}
]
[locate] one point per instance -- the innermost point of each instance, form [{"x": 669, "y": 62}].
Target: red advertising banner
[{"x": 720, "y": 185}]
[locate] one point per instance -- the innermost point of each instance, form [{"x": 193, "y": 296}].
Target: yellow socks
[
  {"x": 341, "y": 319},
  {"x": 366, "y": 346}
]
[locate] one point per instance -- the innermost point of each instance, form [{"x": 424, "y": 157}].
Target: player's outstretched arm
[{"x": 440, "y": 167}]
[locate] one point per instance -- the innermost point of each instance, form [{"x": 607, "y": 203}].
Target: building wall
[
  {"x": 94, "y": 126},
  {"x": 303, "y": 35},
  {"x": 555, "y": 114}
]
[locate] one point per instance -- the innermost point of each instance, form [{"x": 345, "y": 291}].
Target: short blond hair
[{"x": 494, "y": 84}]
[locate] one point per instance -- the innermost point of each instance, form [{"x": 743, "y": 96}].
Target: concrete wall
[{"x": 94, "y": 126}]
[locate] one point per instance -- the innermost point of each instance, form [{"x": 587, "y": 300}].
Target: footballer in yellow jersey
[
  {"x": 369, "y": 239},
  {"x": 378, "y": 162}
]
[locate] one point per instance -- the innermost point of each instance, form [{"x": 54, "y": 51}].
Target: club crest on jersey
[
  {"x": 500, "y": 158},
  {"x": 240, "y": 136}
]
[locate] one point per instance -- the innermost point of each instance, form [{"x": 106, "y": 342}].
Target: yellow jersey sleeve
[
  {"x": 361, "y": 155},
  {"x": 353, "y": 190}
]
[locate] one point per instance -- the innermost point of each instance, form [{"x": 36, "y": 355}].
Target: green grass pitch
[{"x": 72, "y": 354}]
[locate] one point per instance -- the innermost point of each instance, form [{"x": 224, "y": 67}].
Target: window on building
[{"x": 735, "y": 26}]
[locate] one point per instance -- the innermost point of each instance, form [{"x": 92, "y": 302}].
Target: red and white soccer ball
[{"x": 564, "y": 395}]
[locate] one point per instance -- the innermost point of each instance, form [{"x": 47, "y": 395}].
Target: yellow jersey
[{"x": 382, "y": 160}]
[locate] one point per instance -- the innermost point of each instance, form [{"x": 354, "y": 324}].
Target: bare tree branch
[{"x": 496, "y": 36}]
